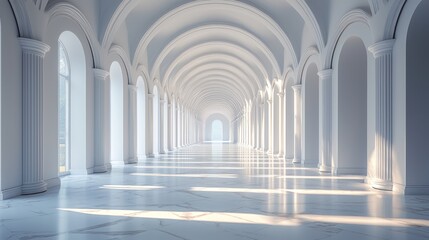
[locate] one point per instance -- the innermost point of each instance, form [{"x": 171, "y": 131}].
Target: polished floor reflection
[{"x": 215, "y": 191}]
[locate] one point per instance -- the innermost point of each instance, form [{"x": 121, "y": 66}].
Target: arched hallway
[
  {"x": 215, "y": 191},
  {"x": 253, "y": 119}
]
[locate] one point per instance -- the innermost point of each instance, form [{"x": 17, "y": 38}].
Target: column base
[
  {"x": 109, "y": 166},
  {"x": 33, "y": 188},
  {"x": 132, "y": 161},
  {"x": 380, "y": 184},
  {"x": 100, "y": 169},
  {"x": 150, "y": 155},
  {"x": 296, "y": 160},
  {"x": 324, "y": 169}
]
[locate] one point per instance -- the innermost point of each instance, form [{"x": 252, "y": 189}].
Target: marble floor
[{"x": 219, "y": 192}]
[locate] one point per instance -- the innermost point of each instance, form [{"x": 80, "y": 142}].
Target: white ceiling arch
[
  {"x": 207, "y": 36},
  {"x": 208, "y": 51},
  {"x": 228, "y": 71},
  {"x": 209, "y": 82},
  {"x": 197, "y": 13},
  {"x": 221, "y": 62}
]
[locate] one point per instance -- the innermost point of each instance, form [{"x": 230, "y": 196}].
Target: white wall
[
  {"x": 10, "y": 105},
  {"x": 141, "y": 118},
  {"x": 117, "y": 112},
  {"x": 352, "y": 111},
  {"x": 417, "y": 99},
  {"x": 82, "y": 108},
  {"x": 310, "y": 146},
  {"x": 156, "y": 121},
  {"x": 208, "y": 126}
]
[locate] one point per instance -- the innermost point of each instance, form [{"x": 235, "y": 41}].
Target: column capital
[
  {"x": 382, "y": 48},
  {"x": 100, "y": 74},
  {"x": 281, "y": 94},
  {"x": 297, "y": 88},
  {"x": 34, "y": 46},
  {"x": 325, "y": 74},
  {"x": 150, "y": 95}
]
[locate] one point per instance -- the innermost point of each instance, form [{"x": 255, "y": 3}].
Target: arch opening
[
  {"x": 116, "y": 113},
  {"x": 417, "y": 113},
  {"x": 311, "y": 115},
  {"x": 72, "y": 140},
  {"x": 217, "y": 128},
  {"x": 217, "y": 131},
  {"x": 352, "y": 108}
]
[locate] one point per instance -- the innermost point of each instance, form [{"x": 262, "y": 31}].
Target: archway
[
  {"x": 310, "y": 148},
  {"x": 141, "y": 118},
  {"x": 156, "y": 121},
  {"x": 222, "y": 130},
  {"x": 72, "y": 139},
  {"x": 116, "y": 112},
  {"x": 217, "y": 131},
  {"x": 417, "y": 112},
  {"x": 352, "y": 108}
]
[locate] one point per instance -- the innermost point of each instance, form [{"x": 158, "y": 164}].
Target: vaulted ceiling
[{"x": 216, "y": 55}]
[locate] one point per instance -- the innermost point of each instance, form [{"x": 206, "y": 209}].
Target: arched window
[
  {"x": 72, "y": 118},
  {"x": 217, "y": 131},
  {"x": 63, "y": 110}
]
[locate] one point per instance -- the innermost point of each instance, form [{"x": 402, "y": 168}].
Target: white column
[
  {"x": 33, "y": 54},
  {"x": 170, "y": 127},
  {"x": 270, "y": 126},
  {"x": 161, "y": 126},
  {"x": 149, "y": 126},
  {"x": 132, "y": 124},
  {"x": 297, "y": 122},
  {"x": 186, "y": 131},
  {"x": 101, "y": 121},
  {"x": 325, "y": 120},
  {"x": 177, "y": 127},
  {"x": 281, "y": 130},
  {"x": 260, "y": 125},
  {"x": 182, "y": 126},
  {"x": 264, "y": 128},
  {"x": 382, "y": 52}
]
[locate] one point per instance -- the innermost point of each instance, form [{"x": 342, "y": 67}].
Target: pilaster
[
  {"x": 298, "y": 123},
  {"x": 101, "y": 120},
  {"x": 33, "y": 54},
  {"x": 382, "y": 176},
  {"x": 271, "y": 126},
  {"x": 162, "y": 126},
  {"x": 132, "y": 124},
  {"x": 282, "y": 134},
  {"x": 325, "y": 120},
  {"x": 149, "y": 126},
  {"x": 170, "y": 127}
]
